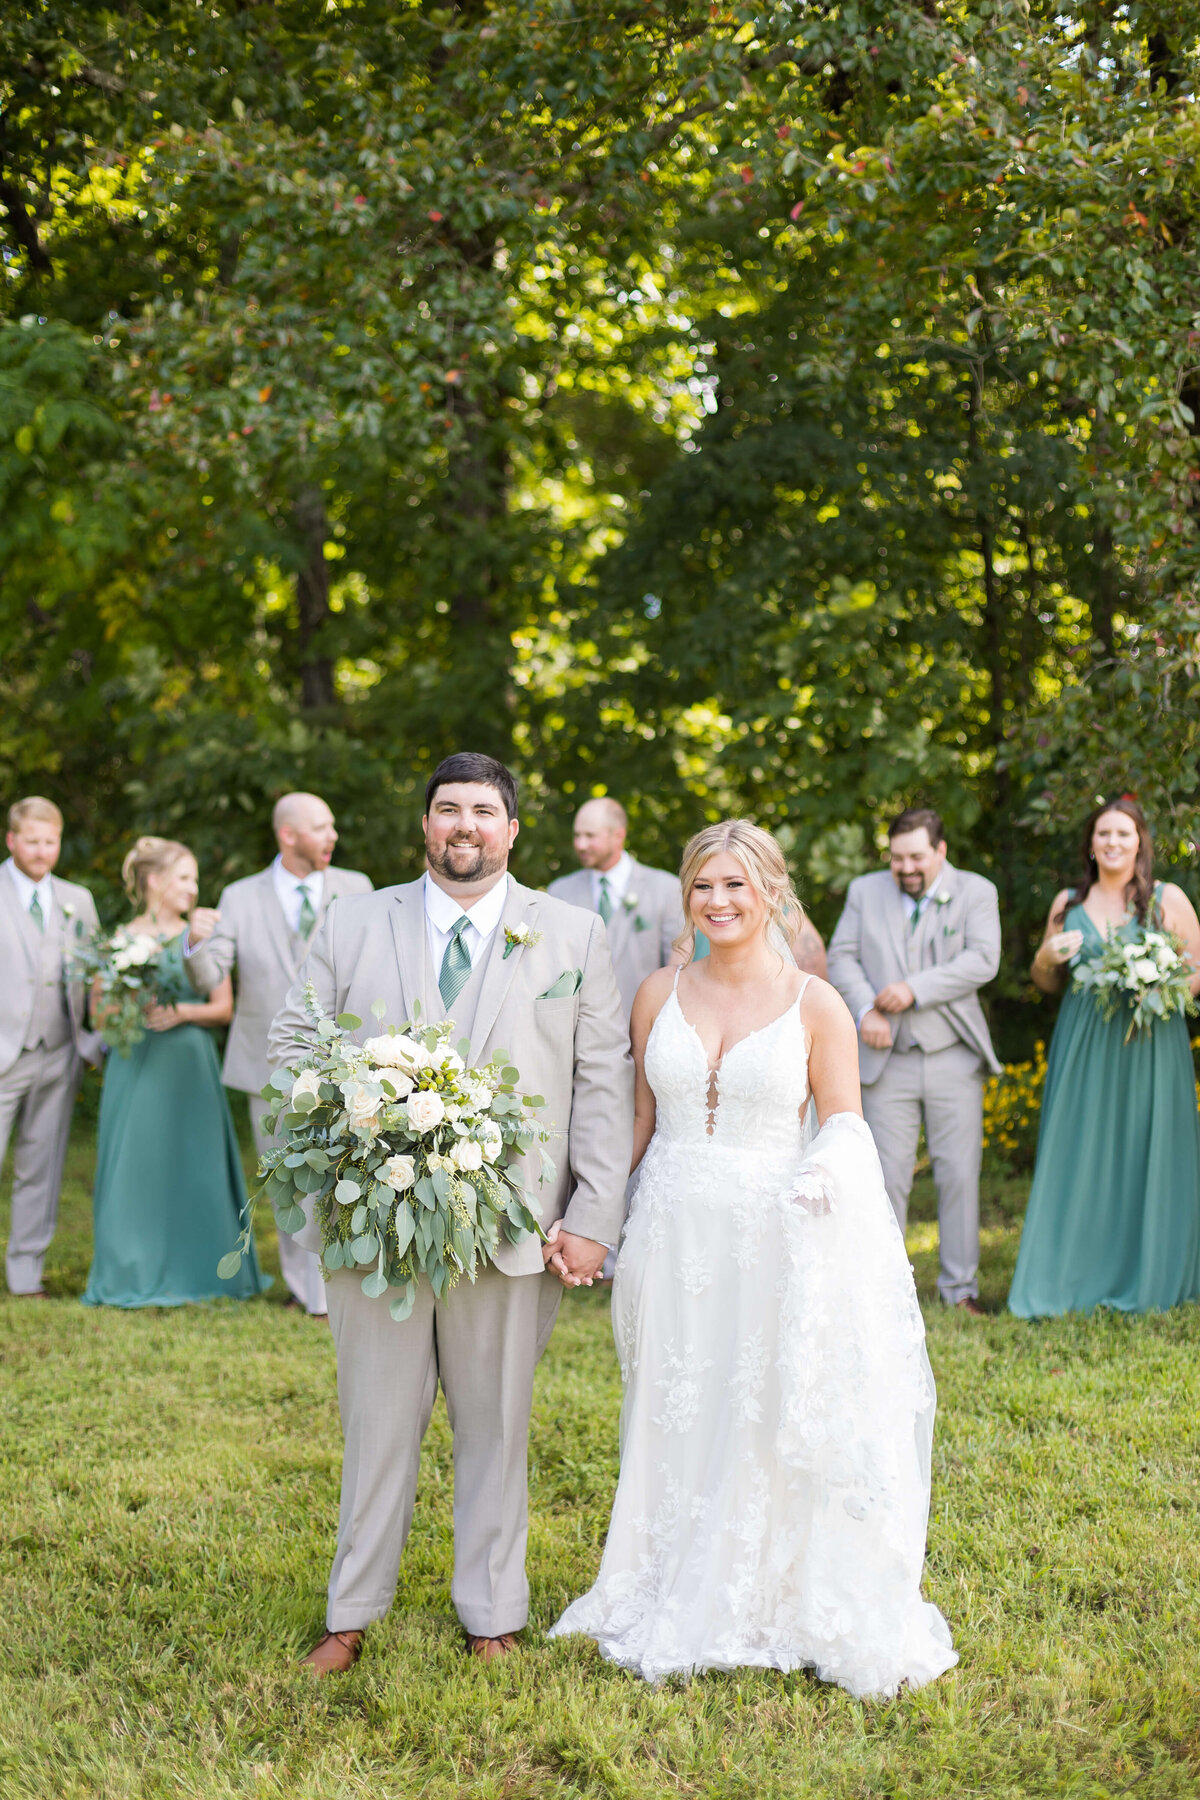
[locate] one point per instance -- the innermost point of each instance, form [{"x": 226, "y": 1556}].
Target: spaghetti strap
[
  {"x": 675, "y": 983},
  {"x": 803, "y": 988}
]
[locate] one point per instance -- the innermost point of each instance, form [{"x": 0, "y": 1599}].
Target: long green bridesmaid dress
[
  {"x": 1114, "y": 1210},
  {"x": 169, "y": 1192}
]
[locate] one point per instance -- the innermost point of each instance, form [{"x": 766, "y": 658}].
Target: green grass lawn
[{"x": 168, "y": 1496}]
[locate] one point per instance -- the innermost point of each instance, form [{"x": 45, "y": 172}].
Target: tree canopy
[{"x": 785, "y": 409}]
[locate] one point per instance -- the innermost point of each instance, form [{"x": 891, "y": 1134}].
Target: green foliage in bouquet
[
  {"x": 126, "y": 965},
  {"x": 410, "y": 1158},
  {"x": 1148, "y": 973}
]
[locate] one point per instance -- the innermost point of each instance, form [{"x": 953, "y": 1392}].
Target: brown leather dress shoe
[
  {"x": 970, "y": 1305},
  {"x": 489, "y": 1649},
  {"x": 337, "y": 1652}
]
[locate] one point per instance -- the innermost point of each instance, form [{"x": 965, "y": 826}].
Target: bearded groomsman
[
  {"x": 913, "y": 947},
  {"x": 641, "y": 907},
  {"x": 43, "y": 1036},
  {"x": 262, "y": 927}
]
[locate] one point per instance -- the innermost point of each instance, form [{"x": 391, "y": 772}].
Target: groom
[{"x": 448, "y": 941}]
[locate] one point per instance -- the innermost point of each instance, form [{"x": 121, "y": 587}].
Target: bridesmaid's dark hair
[{"x": 1140, "y": 891}]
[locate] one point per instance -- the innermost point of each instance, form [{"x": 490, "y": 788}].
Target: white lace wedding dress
[{"x": 778, "y": 1412}]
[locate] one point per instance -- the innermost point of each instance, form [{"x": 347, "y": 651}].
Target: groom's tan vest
[
  {"x": 49, "y": 1020},
  {"x": 924, "y": 1028}
]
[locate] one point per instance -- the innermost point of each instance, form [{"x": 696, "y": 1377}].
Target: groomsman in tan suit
[
  {"x": 515, "y": 968},
  {"x": 913, "y": 947},
  {"x": 43, "y": 1036},
  {"x": 641, "y": 907},
  {"x": 262, "y": 927}
]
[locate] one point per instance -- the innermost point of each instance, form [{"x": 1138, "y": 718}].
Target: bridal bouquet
[
  {"x": 410, "y": 1157},
  {"x": 1147, "y": 973},
  {"x": 126, "y": 965}
]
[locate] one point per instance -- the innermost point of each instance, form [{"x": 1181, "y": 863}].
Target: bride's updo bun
[
  {"x": 149, "y": 856},
  {"x": 766, "y": 870}
]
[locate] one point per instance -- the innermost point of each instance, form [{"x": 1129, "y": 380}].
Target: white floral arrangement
[
  {"x": 126, "y": 965},
  {"x": 410, "y": 1157},
  {"x": 1148, "y": 973}
]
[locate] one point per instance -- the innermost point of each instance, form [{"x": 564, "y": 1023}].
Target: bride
[{"x": 778, "y": 1411}]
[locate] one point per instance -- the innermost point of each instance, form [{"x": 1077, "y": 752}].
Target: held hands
[
  {"x": 201, "y": 925},
  {"x": 575, "y": 1260}
]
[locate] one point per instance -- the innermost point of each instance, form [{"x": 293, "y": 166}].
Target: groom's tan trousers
[{"x": 483, "y": 1343}]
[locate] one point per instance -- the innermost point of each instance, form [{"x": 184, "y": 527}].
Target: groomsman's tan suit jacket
[
  {"x": 573, "y": 1050},
  {"x": 255, "y": 937},
  {"x": 953, "y": 952},
  {"x": 26, "y": 954},
  {"x": 644, "y": 925}
]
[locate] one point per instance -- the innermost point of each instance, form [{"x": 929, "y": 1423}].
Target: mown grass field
[{"x": 168, "y": 1492}]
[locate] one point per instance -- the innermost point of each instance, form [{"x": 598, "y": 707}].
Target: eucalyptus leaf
[
  {"x": 365, "y": 1248},
  {"x": 374, "y": 1284},
  {"x": 229, "y": 1265},
  {"x": 346, "y": 1192},
  {"x": 349, "y": 1022}
]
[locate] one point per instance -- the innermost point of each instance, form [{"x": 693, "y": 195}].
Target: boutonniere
[
  {"x": 941, "y": 899},
  {"x": 68, "y": 911},
  {"x": 519, "y": 937},
  {"x": 628, "y": 905}
]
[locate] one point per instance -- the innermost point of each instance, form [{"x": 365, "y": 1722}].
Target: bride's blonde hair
[
  {"x": 766, "y": 871},
  {"x": 149, "y": 856}
]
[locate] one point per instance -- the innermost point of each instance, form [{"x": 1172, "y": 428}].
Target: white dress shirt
[
  {"x": 618, "y": 878},
  {"x": 44, "y": 889},
  {"x": 443, "y": 911},
  {"x": 289, "y": 887}
]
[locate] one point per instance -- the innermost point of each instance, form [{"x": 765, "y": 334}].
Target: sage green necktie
[
  {"x": 308, "y": 912},
  {"x": 916, "y": 917},
  {"x": 36, "y": 913},
  {"x": 605, "y": 906},
  {"x": 456, "y": 965}
]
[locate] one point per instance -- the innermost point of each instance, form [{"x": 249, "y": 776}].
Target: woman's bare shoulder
[
  {"x": 651, "y": 997},
  {"x": 821, "y": 1004}
]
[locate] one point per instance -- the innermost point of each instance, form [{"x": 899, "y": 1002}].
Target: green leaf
[
  {"x": 346, "y": 1192},
  {"x": 290, "y": 1218},
  {"x": 405, "y": 1229},
  {"x": 365, "y": 1248},
  {"x": 401, "y": 1307},
  {"x": 358, "y": 1219},
  {"x": 229, "y": 1265},
  {"x": 509, "y": 1073},
  {"x": 349, "y": 1022},
  {"x": 378, "y": 1008},
  {"x": 333, "y": 1255},
  {"x": 374, "y": 1284}
]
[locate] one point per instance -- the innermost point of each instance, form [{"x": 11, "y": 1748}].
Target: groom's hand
[
  {"x": 575, "y": 1260},
  {"x": 202, "y": 923}
]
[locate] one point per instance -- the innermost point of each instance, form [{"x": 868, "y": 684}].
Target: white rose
[
  {"x": 447, "y": 1059},
  {"x": 401, "y": 1172},
  {"x": 425, "y": 1110},
  {"x": 491, "y": 1139},
  {"x": 1144, "y": 969},
  {"x": 307, "y": 1082},
  {"x": 389, "y": 1052},
  {"x": 467, "y": 1154},
  {"x": 363, "y": 1109}
]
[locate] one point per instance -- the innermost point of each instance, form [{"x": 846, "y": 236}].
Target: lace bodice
[{"x": 760, "y": 1086}]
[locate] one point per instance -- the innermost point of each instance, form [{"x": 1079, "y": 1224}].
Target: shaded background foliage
[{"x": 786, "y": 409}]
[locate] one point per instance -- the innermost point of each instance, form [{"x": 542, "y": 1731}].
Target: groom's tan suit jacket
[{"x": 573, "y": 1050}]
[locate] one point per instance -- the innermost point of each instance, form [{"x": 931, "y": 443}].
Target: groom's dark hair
[{"x": 469, "y": 765}]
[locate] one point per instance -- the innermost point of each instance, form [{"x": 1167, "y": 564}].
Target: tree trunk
[{"x": 312, "y": 600}]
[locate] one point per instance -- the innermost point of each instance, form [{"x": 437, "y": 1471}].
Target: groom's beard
[{"x": 466, "y": 861}]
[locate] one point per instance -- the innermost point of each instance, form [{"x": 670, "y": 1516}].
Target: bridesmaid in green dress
[
  {"x": 1114, "y": 1210},
  {"x": 169, "y": 1193}
]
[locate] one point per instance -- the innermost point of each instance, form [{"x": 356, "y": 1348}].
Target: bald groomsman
[
  {"x": 642, "y": 907},
  {"x": 43, "y": 1038},
  {"x": 262, "y": 929}
]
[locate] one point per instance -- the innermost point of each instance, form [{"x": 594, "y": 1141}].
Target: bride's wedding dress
[{"x": 778, "y": 1411}]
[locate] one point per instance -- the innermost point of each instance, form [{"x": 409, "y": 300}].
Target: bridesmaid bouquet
[
  {"x": 409, "y": 1157},
  {"x": 1148, "y": 973},
  {"x": 125, "y": 963}
]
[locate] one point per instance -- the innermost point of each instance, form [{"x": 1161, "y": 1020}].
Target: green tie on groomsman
[
  {"x": 308, "y": 912},
  {"x": 35, "y": 912}
]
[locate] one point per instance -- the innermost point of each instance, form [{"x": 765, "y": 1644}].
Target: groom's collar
[{"x": 485, "y": 912}]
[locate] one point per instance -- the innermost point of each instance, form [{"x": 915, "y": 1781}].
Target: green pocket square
[{"x": 568, "y": 983}]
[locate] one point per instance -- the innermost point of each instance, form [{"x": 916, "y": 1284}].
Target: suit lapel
[
  {"x": 897, "y": 921},
  {"x": 933, "y": 921},
  {"x": 275, "y": 922},
  {"x": 409, "y": 941},
  {"x": 521, "y": 908}
]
